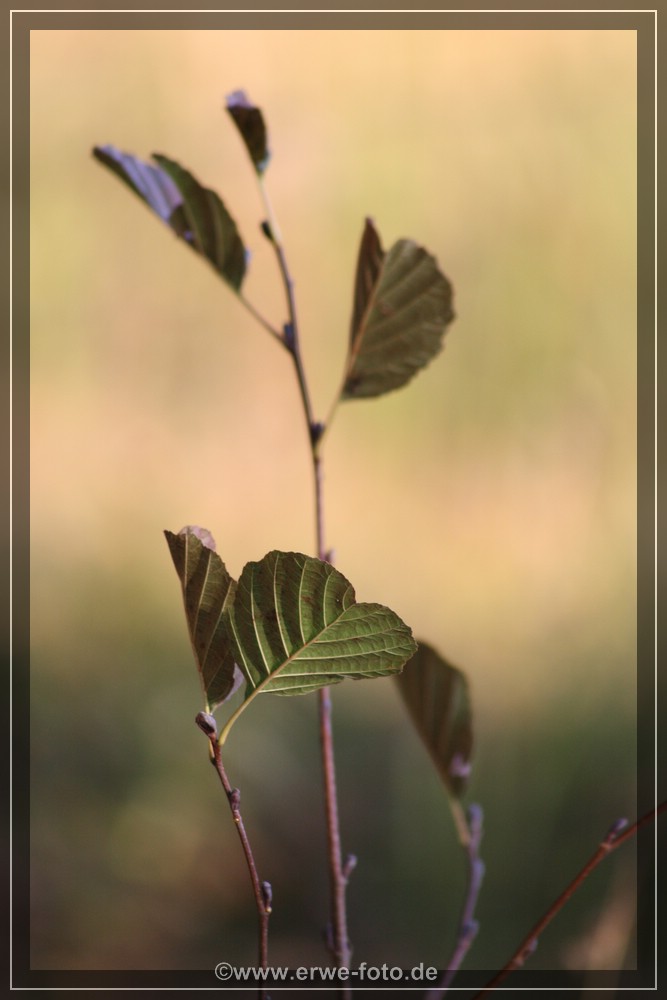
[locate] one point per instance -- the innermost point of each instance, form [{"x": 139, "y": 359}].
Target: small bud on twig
[
  {"x": 316, "y": 431},
  {"x": 349, "y": 866},
  {"x": 267, "y": 896},
  {"x": 288, "y": 336},
  {"x": 207, "y": 724}
]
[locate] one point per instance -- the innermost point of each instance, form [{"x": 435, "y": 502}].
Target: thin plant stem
[
  {"x": 339, "y": 872},
  {"x": 291, "y": 334},
  {"x": 338, "y": 875},
  {"x": 262, "y": 890},
  {"x": 619, "y": 833},
  {"x": 470, "y": 835},
  {"x": 319, "y": 507},
  {"x": 256, "y": 314}
]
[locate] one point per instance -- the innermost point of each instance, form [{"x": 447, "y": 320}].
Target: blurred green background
[{"x": 491, "y": 503}]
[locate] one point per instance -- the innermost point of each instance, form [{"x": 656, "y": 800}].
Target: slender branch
[
  {"x": 291, "y": 332},
  {"x": 339, "y": 872},
  {"x": 262, "y": 890},
  {"x": 256, "y": 314},
  {"x": 617, "y": 835},
  {"x": 319, "y": 507},
  {"x": 470, "y": 835}
]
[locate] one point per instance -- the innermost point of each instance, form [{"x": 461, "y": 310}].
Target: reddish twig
[
  {"x": 262, "y": 890},
  {"x": 618, "y": 834},
  {"x": 339, "y": 872}
]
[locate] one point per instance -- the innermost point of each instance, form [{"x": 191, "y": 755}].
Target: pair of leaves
[
  {"x": 196, "y": 214},
  {"x": 289, "y": 626},
  {"x": 292, "y": 625}
]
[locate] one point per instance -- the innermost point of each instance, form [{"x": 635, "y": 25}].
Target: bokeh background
[{"x": 491, "y": 503}]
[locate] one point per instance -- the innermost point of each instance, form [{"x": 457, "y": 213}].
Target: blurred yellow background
[{"x": 491, "y": 503}]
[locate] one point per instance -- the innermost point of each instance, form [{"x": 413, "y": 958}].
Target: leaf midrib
[
  {"x": 305, "y": 644},
  {"x": 257, "y": 689}
]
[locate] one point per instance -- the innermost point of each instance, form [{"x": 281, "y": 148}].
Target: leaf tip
[
  {"x": 203, "y": 534},
  {"x": 369, "y": 225},
  {"x": 237, "y": 99},
  {"x": 102, "y": 151}
]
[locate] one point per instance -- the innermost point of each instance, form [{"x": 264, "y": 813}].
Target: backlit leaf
[
  {"x": 195, "y": 213},
  {"x": 296, "y": 626},
  {"x": 437, "y": 698},
  {"x": 291, "y": 625},
  {"x": 250, "y": 122},
  {"x": 402, "y": 306},
  {"x": 207, "y": 590}
]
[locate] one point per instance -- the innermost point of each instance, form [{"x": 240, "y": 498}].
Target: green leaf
[
  {"x": 195, "y": 213},
  {"x": 402, "y": 306},
  {"x": 250, "y": 122},
  {"x": 208, "y": 590},
  {"x": 438, "y": 701},
  {"x": 296, "y": 627},
  {"x": 291, "y": 624}
]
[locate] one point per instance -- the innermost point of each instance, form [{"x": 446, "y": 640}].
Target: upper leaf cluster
[{"x": 402, "y": 302}]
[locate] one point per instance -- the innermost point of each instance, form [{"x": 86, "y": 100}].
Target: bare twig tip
[{"x": 615, "y": 829}]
